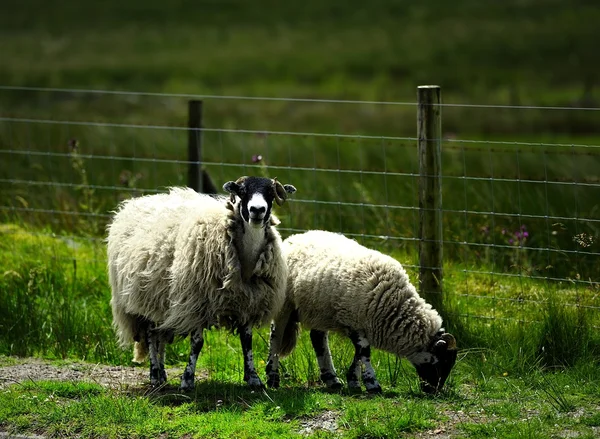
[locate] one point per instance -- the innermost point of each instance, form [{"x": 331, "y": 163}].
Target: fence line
[
  {"x": 279, "y": 99},
  {"x": 362, "y": 185},
  {"x": 204, "y": 129},
  {"x": 330, "y": 203},
  {"x": 285, "y": 133}
]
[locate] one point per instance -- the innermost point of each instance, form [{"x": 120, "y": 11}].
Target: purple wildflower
[{"x": 256, "y": 158}]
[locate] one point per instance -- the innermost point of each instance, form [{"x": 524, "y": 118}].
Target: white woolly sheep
[
  {"x": 336, "y": 284},
  {"x": 181, "y": 262}
]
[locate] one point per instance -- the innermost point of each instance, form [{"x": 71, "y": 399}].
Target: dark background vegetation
[
  {"x": 506, "y": 170},
  {"x": 520, "y": 187}
]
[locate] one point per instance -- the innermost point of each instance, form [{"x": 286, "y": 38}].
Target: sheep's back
[{"x": 326, "y": 278}]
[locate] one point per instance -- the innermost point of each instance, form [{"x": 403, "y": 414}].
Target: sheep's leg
[
  {"x": 196, "y": 342},
  {"x": 272, "y": 368},
  {"x": 250, "y": 375},
  {"x": 156, "y": 348},
  {"x": 320, "y": 342},
  {"x": 163, "y": 339},
  {"x": 362, "y": 354},
  {"x": 353, "y": 374}
]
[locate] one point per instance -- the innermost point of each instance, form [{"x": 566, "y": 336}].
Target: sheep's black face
[
  {"x": 434, "y": 365},
  {"x": 256, "y": 196}
]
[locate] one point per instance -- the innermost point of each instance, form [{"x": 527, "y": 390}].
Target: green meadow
[
  {"x": 520, "y": 199},
  {"x": 527, "y": 365}
]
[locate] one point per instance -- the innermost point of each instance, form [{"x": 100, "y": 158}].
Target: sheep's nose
[{"x": 258, "y": 210}]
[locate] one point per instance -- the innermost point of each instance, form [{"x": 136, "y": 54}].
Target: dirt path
[{"x": 14, "y": 371}]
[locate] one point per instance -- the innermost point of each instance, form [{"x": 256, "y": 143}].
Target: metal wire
[
  {"x": 280, "y": 99},
  {"x": 388, "y": 208}
]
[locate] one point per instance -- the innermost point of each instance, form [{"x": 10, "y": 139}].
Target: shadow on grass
[{"x": 213, "y": 395}]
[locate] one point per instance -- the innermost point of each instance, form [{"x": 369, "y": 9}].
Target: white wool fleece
[
  {"x": 339, "y": 285},
  {"x": 173, "y": 259}
]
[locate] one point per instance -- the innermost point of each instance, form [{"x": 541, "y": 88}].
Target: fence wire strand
[{"x": 371, "y": 199}]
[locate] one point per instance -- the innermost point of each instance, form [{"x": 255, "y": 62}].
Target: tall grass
[
  {"x": 60, "y": 181},
  {"x": 55, "y": 298},
  {"x": 500, "y": 203}
]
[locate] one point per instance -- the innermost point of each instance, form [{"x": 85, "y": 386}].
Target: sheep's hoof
[
  {"x": 273, "y": 382},
  {"x": 330, "y": 380},
  {"x": 354, "y": 387},
  {"x": 187, "y": 385},
  {"x": 157, "y": 377},
  {"x": 255, "y": 383},
  {"x": 354, "y": 384},
  {"x": 334, "y": 384},
  {"x": 374, "y": 390}
]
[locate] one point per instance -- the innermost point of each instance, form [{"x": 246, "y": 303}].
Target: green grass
[
  {"x": 518, "y": 361},
  {"x": 56, "y": 296},
  {"x": 488, "y": 195},
  {"x": 340, "y": 49},
  {"x": 476, "y": 405},
  {"x": 514, "y": 52},
  {"x": 526, "y": 323}
]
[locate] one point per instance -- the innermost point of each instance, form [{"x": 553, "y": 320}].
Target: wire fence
[{"x": 520, "y": 211}]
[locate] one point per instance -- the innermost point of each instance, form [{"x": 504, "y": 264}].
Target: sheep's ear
[
  {"x": 274, "y": 221},
  {"x": 289, "y": 188},
  {"x": 233, "y": 188}
]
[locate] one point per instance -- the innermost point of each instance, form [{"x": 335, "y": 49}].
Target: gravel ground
[{"x": 36, "y": 370}]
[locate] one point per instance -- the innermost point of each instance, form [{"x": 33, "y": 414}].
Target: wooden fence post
[
  {"x": 195, "y": 145},
  {"x": 429, "y": 133}
]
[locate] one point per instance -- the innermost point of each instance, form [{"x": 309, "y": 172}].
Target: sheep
[
  {"x": 181, "y": 262},
  {"x": 336, "y": 284}
]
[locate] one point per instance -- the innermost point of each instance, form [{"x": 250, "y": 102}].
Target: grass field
[
  {"x": 515, "y": 52},
  {"x": 490, "y": 191},
  {"x": 479, "y": 404},
  {"x": 525, "y": 311},
  {"x": 531, "y": 371}
]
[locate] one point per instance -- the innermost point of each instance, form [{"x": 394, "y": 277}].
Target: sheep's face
[
  {"x": 434, "y": 364},
  {"x": 256, "y": 195}
]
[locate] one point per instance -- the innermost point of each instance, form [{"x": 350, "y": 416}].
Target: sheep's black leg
[
  {"x": 320, "y": 344},
  {"x": 156, "y": 349},
  {"x": 163, "y": 339},
  {"x": 353, "y": 375},
  {"x": 272, "y": 368},
  {"x": 362, "y": 353},
  {"x": 250, "y": 375},
  {"x": 196, "y": 342}
]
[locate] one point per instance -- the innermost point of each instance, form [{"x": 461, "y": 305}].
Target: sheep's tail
[
  {"x": 132, "y": 328},
  {"x": 287, "y": 329},
  {"x": 140, "y": 351},
  {"x": 140, "y": 335}
]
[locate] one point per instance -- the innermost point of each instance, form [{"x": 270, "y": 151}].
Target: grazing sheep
[
  {"x": 336, "y": 284},
  {"x": 181, "y": 262}
]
